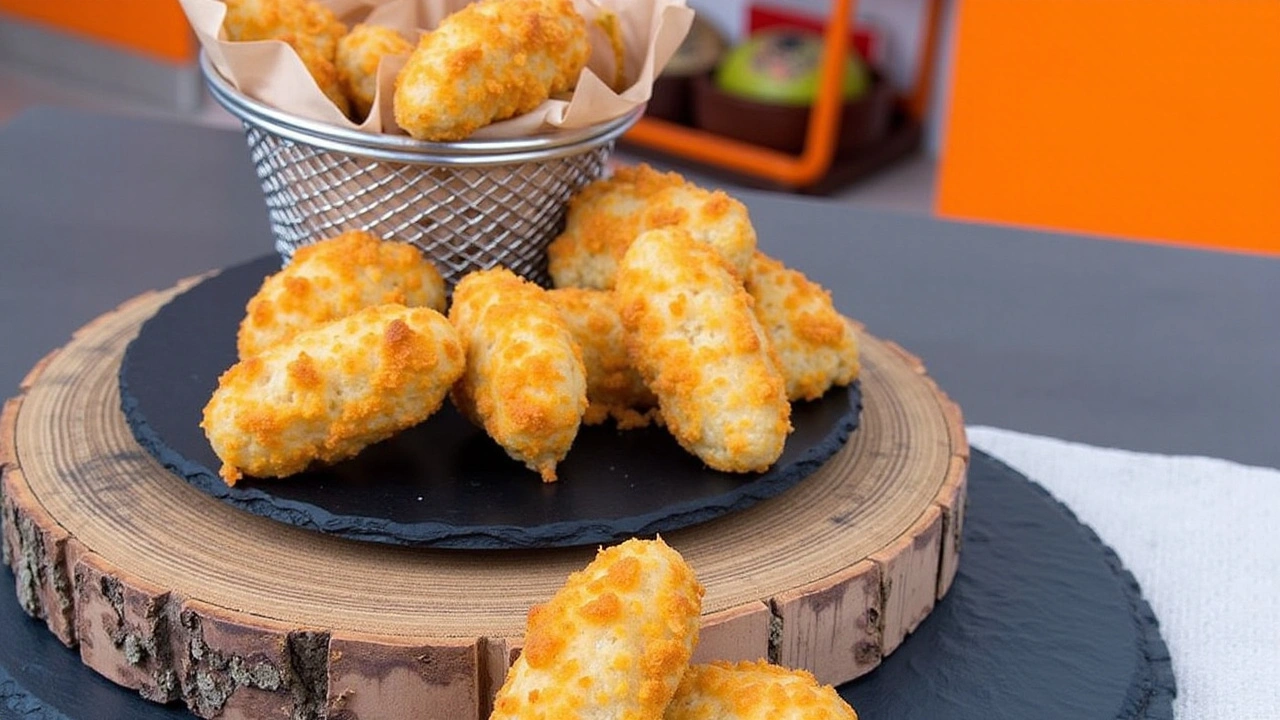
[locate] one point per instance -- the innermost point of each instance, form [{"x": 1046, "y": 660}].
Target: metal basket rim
[{"x": 402, "y": 149}]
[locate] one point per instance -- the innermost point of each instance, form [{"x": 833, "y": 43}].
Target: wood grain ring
[{"x": 170, "y": 592}]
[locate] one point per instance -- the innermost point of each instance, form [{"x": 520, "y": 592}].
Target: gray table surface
[{"x": 1111, "y": 343}]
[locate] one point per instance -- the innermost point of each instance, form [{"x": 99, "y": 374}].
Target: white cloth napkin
[{"x": 1202, "y": 536}]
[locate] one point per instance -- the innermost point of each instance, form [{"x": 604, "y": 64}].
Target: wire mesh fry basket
[{"x": 467, "y": 205}]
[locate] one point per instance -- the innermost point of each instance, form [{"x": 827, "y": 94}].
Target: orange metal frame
[{"x": 815, "y": 159}]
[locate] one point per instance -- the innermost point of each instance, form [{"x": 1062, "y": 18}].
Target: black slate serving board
[
  {"x": 443, "y": 483},
  {"x": 1042, "y": 623}
]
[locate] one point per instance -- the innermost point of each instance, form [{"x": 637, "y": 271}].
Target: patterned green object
[{"x": 782, "y": 67}]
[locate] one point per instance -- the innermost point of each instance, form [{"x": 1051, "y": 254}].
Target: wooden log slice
[{"x": 170, "y": 592}]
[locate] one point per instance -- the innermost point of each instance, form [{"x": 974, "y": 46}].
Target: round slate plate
[
  {"x": 1042, "y": 622},
  {"x": 443, "y": 483}
]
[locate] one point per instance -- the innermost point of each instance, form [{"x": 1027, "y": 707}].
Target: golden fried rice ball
[
  {"x": 305, "y": 22},
  {"x": 525, "y": 382},
  {"x": 602, "y": 220},
  {"x": 359, "y": 53},
  {"x": 606, "y": 216},
  {"x": 310, "y": 28},
  {"x": 612, "y": 643},
  {"x": 489, "y": 61},
  {"x": 692, "y": 334},
  {"x": 614, "y": 387},
  {"x": 331, "y": 391},
  {"x": 754, "y": 691},
  {"x": 816, "y": 345},
  {"x": 334, "y": 278}
]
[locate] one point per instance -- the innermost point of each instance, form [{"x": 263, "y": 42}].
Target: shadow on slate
[
  {"x": 1042, "y": 622},
  {"x": 443, "y": 483}
]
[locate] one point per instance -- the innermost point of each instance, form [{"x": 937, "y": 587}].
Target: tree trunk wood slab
[{"x": 168, "y": 591}]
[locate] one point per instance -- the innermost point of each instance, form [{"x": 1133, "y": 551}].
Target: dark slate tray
[
  {"x": 1042, "y": 622},
  {"x": 443, "y": 483}
]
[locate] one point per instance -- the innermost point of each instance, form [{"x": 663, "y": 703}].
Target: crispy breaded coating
[
  {"x": 694, "y": 338},
  {"x": 754, "y": 691},
  {"x": 816, "y": 345},
  {"x": 334, "y": 278},
  {"x": 710, "y": 216},
  {"x": 331, "y": 391},
  {"x": 304, "y": 22},
  {"x": 612, "y": 643},
  {"x": 614, "y": 387},
  {"x": 602, "y": 220},
  {"x": 308, "y": 27},
  {"x": 489, "y": 61},
  {"x": 524, "y": 381},
  {"x": 606, "y": 217},
  {"x": 358, "y": 55}
]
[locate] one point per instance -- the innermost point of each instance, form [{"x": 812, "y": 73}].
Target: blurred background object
[
  {"x": 804, "y": 97},
  {"x": 773, "y": 78},
  {"x": 697, "y": 56}
]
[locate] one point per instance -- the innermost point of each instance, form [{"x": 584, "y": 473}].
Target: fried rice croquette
[
  {"x": 524, "y": 382},
  {"x": 606, "y": 216},
  {"x": 310, "y": 28},
  {"x": 614, "y": 387},
  {"x": 754, "y": 691},
  {"x": 489, "y": 61},
  {"x": 816, "y": 345},
  {"x": 330, "y": 391},
  {"x": 334, "y": 278},
  {"x": 602, "y": 220},
  {"x": 612, "y": 643},
  {"x": 358, "y": 55},
  {"x": 693, "y": 336}
]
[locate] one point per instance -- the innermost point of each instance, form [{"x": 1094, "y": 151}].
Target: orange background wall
[
  {"x": 1149, "y": 119},
  {"x": 156, "y": 28}
]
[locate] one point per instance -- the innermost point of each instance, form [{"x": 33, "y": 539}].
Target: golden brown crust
[
  {"x": 602, "y": 220},
  {"x": 332, "y": 390},
  {"x": 333, "y": 278},
  {"x": 754, "y": 691},
  {"x": 305, "y": 22},
  {"x": 358, "y": 55},
  {"x": 612, "y": 643},
  {"x": 816, "y": 345},
  {"x": 490, "y": 61},
  {"x": 694, "y": 338},
  {"x": 606, "y": 217},
  {"x": 310, "y": 28},
  {"x": 614, "y": 388},
  {"x": 525, "y": 382}
]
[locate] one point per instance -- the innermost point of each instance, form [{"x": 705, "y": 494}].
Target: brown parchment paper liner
[{"x": 270, "y": 71}]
